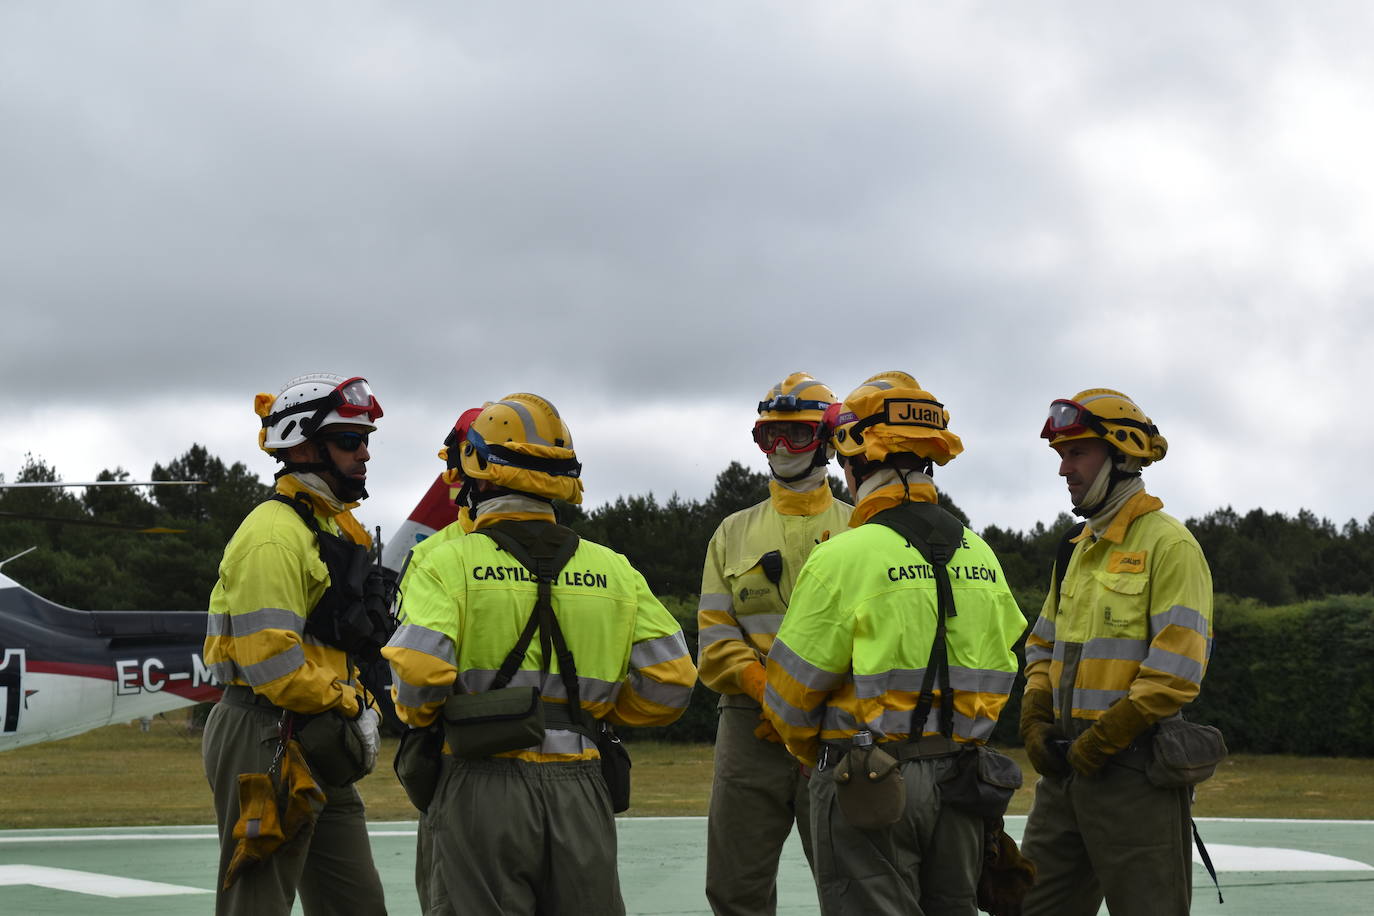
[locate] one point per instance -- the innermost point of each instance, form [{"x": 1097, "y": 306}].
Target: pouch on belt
[
  {"x": 1184, "y": 753},
  {"x": 482, "y": 724},
  {"x": 869, "y": 788},
  {"x": 418, "y": 764},
  {"x": 981, "y": 782},
  {"x": 333, "y": 748}
]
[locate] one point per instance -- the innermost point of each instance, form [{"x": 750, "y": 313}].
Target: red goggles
[
  {"x": 1069, "y": 418},
  {"x": 355, "y": 398},
  {"x": 796, "y": 435}
]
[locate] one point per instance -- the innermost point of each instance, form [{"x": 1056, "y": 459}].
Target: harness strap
[
  {"x": 543, "y": 549},
  {"x": 936, "y": 535}
]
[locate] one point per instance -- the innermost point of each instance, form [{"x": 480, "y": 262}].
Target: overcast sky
[{"x": 650, "y": 212}]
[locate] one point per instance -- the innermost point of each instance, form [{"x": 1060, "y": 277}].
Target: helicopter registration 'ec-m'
[{"x": 64, "y": 671}]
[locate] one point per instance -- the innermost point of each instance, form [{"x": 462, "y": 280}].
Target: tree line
[{"x": 1269, "y": 557}]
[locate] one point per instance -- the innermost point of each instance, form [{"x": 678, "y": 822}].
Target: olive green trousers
[
  {"x": 926, "y": 864},
  {"x": 330, "y": 867},
  {"x": 757, "y": 794},
  {"x": 512, "y": 837},
  {"x": 1114, "y": 836}
]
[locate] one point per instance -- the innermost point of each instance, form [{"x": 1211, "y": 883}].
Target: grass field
[{"x": 123, "y": 776}]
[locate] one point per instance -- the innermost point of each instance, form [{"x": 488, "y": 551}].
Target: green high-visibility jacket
[
  {"x": 465, "y": 602},
  {"x": 853, "y": 648}
]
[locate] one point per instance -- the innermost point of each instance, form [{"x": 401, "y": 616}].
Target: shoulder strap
[
  {"x": 936, "y": 535},
  {"x": 301, "y": 503},
  {"x": 543, "y": 549},
  {"x": 1062, "y": 555}
]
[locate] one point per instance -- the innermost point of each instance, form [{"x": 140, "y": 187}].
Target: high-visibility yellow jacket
[
  {"x": 270, "y": 578},
  {"x": 853, "y": 648},
  {"x": 737, "y": 598},
  {"x": 1133, "y": 619},
  {"x": 465, "y": 602}
]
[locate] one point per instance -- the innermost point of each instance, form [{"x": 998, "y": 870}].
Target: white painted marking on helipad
[
  {"x": 92, "y": 883},
  {"x": 1270, "y": 858}
]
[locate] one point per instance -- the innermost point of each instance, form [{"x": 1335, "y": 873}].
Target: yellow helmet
[
  {"x": 891, "y": 413},
  {"x": 521, "y": 443},
  {"x": 797, "y": 397},
  {"x": 1101, "y": 413},
  {"x": 792, "y": 413}
]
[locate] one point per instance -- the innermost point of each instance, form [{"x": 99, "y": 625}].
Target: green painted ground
[{"x": 1267, "y": 867}]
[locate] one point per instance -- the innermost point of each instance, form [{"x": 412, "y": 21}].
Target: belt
[
  {"x": 927, "y": 747},
  {"x": 238, "y": 695}
]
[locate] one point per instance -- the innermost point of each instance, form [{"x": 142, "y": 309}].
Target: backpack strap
[
  {"x": 543, "y": 549},
  {"x": 1062, "y": 555},
  {"x": 936, "y": 535}
]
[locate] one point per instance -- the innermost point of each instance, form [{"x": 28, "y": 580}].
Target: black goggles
[{"x": 345, "y": 440}]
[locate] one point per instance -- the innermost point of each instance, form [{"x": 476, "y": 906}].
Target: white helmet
[{"x": 311, "y": 402}]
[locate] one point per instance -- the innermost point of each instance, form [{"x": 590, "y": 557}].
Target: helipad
[{"x": 1266, "y": 867}]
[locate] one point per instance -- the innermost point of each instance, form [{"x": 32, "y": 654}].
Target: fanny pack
[
  {"x": 504, "y": 719},
  {"x": 333, "y": 748},
  {"x": 981, "y": 782},
  {"x": 1184, "y": 753}
]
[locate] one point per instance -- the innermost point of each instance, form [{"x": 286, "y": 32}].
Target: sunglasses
[
  {"x": 797, "y": 435},
  {"x": 347, "y": 441}
]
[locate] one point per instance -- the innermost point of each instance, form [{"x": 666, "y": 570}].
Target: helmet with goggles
[
  {"x": 310, "y": 403},
  {"x": 891, "y": 413},
  {"x": 522, "y": 444},
  {"x": 1101, "y": 413},
  {"x": 792, "y": 414}
]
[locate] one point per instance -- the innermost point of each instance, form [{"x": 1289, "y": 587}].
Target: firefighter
[
  {"x": 522, "y": 822},
  {"x": 846, "y": 671},
  {"x": 752, "y": 563},
  {"x": 426, "y": 882},
  {"x": 1121, "y": 643},
  {"x": 274, "y": 640}
]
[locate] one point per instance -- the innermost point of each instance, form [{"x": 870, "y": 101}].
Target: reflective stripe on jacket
[
  {"x": 465, "y": 602},
  {"x": 1134, "y": 619},
  {"x": 270, "y": 578},
  {"x": 853, "y": 649},
  {"x": 735, "y": 591}
]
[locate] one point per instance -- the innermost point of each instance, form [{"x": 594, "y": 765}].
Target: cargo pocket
[{"x": 1125, "y": 599}]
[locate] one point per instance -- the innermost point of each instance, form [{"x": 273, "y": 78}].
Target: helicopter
[{"x": 65, "y": 671}]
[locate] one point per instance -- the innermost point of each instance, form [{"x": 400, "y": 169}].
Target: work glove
[
  {"x": 753, "y": 680},
  {"x": 1007, "y": 876},
  {"x": 1114, "y": 730},
  {"x": 765, "y": 731},
  {"x": 1039, "y": 734},
  {"x": 368, "y": 727}
]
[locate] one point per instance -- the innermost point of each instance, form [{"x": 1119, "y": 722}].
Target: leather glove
[
  {"x": 1114, "y": 730},
  {"x": 1038, "y": 732},
  {"x": 753, "y": 680},
  {"x": 368, "y": 726},
  {"x": 765, "y": 730}
]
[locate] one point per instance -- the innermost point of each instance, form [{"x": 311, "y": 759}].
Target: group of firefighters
[{"x": 862, "y": 654}]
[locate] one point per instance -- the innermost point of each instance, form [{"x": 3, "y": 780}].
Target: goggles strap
[{"x": 499, "y": 454}]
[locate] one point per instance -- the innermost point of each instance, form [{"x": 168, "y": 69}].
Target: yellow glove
[
  {"x": 765, "y": 731},
  {"x": 1114, "y": 730},
  {"x": 753, "y": 680},
  {"x": 1038, "y": 731}
]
